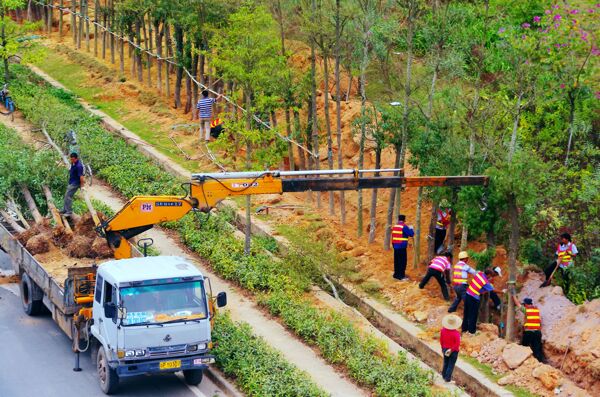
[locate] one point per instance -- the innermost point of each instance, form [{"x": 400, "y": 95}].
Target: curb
[
  {"x": 406, "y": 333},
  {"x": 222, "y": 383}
]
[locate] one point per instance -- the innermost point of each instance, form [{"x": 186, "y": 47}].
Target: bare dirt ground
[{"x": 374, "y": 263}]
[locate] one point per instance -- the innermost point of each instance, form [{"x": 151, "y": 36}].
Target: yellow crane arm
[{"x": 207, "y": 190}]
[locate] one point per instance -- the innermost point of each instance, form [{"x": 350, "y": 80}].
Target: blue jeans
[{"x": 449, "y": 362}]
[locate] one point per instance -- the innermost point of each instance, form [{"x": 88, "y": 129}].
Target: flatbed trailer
[{"x": 37, "y": 285}]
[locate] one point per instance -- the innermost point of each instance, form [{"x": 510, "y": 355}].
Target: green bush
[
  {"x": 585, "y": 280},
  {"x": 484, "y": 258},
  {"x": 258, "y": 369}
]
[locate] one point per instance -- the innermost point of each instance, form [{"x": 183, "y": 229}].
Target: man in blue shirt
[
  {"x": 76, "y": 181},
  {"x": 400, "y": 234},
  {"x": 205, "y": 112}
]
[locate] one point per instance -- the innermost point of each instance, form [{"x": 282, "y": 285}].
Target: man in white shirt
[{"x": 565, "y": 253}]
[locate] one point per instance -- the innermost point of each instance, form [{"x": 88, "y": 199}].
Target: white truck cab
[{"x": 151, "y": 315}]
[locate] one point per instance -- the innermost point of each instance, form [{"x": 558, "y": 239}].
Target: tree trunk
[
  {"x": 96, "y": 15},
  {"x": 60, "y": 21},
  {"x": 33, "y": 209},
  {"x": 51, "y": 206},
  {"x": 572, "y": 94},
  {"x": 87, "y": 26},
  {"x": 104, "y": 35},
  {"x": 373, "y": 209},
  {"x": 137, "y": 52},
  {"x": 159, "y": 46},
  {"x": 390, "y": 210},
  {"x": 470, "y": 164},
  {"x": 513, "y": 249},
  {"x": 314, "y": 117},
  {"x": 111, "y": 38},
  {"x": 338, "y": 105},
  {"x": 328, "y": 127},
  {"x": 417, "y": 238},
  {"x": 179, "y": 75},
  {"x": 81, "y": 24},
  {"x": 453, "y": 218},
  {"x": 363, "y": 124},
  {"x": 74, "y": 21},
  {"x": 513, "y": 244},
  {"x": 13, "y": 206},
  {"x": 169, "y": 54},
  {"x": 297, "y": 128},
  {"x": 431, "y": 239},
  {"x": 248, "y": 239},
  {"x": 9, "y": 219},
  {"x": 122, "y": 57}
]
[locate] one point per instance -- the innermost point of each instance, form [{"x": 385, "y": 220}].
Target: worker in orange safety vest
[
  {"x": 480, "y": 284},
  {"x": 460, "y": 280},
  {"x": 565, "y": 253},
  {"x": 443, "y": 215},
  {"x": 532, "y": 328},
  {"x": 400, "y": 234}
]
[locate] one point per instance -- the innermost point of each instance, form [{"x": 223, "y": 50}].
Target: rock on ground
[
  {"x": 550, "y": 377},
  {"x": 514, "y": 355}
]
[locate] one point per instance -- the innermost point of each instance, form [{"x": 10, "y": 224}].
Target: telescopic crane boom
[{"x": 206, "y": 190}]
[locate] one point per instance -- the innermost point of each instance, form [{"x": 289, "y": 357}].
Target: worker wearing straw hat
[{"x": 450, "y": 342}]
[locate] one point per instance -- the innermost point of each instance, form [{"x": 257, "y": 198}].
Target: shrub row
[
  {"x": 259, "y": 370},
  {"x": 280, "y": 284}
]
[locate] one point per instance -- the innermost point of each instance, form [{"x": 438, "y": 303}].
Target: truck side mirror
[
  {"x": 110, "y": 310},
  {"x": 221, "y": 299}
]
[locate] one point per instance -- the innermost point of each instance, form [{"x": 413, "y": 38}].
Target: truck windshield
[{"x": 164, "y": 303}]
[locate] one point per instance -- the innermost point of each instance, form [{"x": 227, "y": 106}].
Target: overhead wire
[{"x": 187, "y": 72}]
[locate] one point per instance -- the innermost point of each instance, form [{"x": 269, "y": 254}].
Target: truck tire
[
  {"x": 109, "y": 380},
  {"x": 193, "y": 377},
  {"x": 31, "y": 296}
]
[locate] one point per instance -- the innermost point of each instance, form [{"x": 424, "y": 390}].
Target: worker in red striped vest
[
  {"x": 443, "y": 220},
  {"x": 439, "y": 266},
  {"x": 480, "y": 284},
  {"x": 400, "y": 234},
  {"x": 460, "y": 280},
  {"x": 532, "y": 328},
  {"x": 566, "y": 251}
]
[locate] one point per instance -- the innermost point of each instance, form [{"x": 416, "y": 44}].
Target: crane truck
[{"x": 146, "y": 315}]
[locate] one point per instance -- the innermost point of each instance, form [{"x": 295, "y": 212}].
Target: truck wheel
[
  {"x": 31, "y": 296},
  {"x": 109, "y": 380},
  {"x": 193, "y": 376}
]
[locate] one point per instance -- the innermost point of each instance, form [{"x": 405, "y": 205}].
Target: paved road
[{"x": 36, "y": 360}]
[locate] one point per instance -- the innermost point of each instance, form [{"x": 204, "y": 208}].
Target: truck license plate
[{"x": 170, "y": 364}]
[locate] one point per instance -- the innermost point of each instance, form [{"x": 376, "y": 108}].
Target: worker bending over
[
  {"x": 438, "y": 268},
  {"x": 400, "y": 234},
  {"x": 481, "y": 283},
  {"x": 532, "y": 328},
  {"x": 460, "y": 281},
  {"x": 566, "y": 251},
  {"x": 443, "y": 220}
]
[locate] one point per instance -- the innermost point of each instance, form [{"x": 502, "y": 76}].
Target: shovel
[{"x": 547, "y": 282}]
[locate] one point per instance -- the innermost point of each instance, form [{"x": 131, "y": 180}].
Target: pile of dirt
[
  {"x": 570, "y": 332},
  {"x": 516, "y": 365}
]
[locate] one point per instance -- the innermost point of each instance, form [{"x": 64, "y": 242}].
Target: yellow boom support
[{"x": 208, "y": 190}]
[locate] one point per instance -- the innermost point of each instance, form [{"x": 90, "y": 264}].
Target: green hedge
[
  {"x": 260, "y": 370},
  {"x": 280, "y": 284}
]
